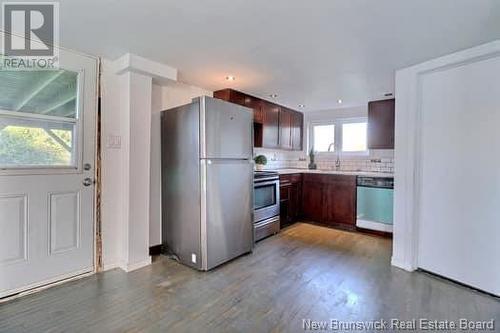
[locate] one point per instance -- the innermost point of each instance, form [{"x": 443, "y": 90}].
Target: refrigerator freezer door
[
  {"x": 226, "y": 130},
  {"x": 227, "y": 227}
]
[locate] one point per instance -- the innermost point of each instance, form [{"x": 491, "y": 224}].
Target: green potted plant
[
  {"x": 312, "y": 165},
  {"x": 260, "y": 161}
]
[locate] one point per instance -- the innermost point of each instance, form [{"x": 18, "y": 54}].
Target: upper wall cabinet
[
  {"x": 270, "y": 125},
  {"x": 381, "y": 116},
  {"x": 297, "y": 130},
  {"x": 275, "y": 126},
  {"x": 285, "y": 141}
]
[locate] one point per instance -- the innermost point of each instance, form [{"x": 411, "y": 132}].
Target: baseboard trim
[
  {"x": 155, "y": 250},
  {"x": 132, "y": 267},
  {"x": 107, "y": 267},
  {"x": 402, "y": 265}
]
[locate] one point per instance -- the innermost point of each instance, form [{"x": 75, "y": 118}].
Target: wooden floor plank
[{"x": 305, "y": 272}]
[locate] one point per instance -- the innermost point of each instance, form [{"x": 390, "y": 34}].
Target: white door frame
[{"x": 408, "y": 148}]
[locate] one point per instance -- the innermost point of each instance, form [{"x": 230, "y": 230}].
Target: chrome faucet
[{"x": 337, "y": 160}]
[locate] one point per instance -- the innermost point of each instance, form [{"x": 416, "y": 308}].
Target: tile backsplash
[{"x": 375, "y": 162}]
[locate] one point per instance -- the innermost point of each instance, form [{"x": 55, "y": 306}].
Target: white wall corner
[
  {"x": 134, "y": 93},
  {"x": 402, "y": 265},
  {"x": 160, "y": 73}
]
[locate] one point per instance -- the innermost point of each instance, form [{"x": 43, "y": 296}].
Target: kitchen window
[
  {"x": 324, "y": 137},
  {"x": 348, "y": 136},
  {"x": 354, "y": 137}
]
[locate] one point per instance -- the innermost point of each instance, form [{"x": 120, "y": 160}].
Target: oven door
[{"x": 266, "y": 200}]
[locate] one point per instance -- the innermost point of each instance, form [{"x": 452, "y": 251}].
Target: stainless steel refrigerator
[{"x": 207, "y": 182}]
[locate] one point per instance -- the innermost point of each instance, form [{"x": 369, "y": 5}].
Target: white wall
[
  {"x": 129, "y": 101},
  {"x": 112, "y": 167},
  {"x": 165, "y": 97},
  {"x": 351, "y": 112}
]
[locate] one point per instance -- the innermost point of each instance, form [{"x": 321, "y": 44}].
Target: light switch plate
[{"x": 114, "y": 142}]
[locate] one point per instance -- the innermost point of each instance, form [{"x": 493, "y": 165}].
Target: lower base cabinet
[
  {"x": 330, "y": 200},
  {"x": 290, "y": 198},
  {"x": 312, "y": 198}
]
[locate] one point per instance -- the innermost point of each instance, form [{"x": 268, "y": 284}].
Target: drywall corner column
[
  {"x": 136, "y": 143},
  {"x": 135, "y": 76}
]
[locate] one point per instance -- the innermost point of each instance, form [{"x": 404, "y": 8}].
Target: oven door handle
[{"x": 265, "y": 183}]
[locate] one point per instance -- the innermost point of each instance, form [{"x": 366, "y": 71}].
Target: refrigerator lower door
[
  {"x": 226, "y": 130},
  {"x": 227, "y": 210}
]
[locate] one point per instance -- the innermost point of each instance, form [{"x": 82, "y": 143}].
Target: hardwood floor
[{"x": 305, "y": 272}]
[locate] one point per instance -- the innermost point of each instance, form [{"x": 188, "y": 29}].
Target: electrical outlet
[{"x": 193, "y": 258}]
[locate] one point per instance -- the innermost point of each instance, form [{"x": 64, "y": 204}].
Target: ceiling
[{"x": 310, "y": 52}]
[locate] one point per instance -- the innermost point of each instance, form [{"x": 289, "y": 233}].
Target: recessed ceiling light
[
  {"x": 339, "y": 101},
  {"x": 273, "y": 95},
  {"x": 230, "y": 78},
  {"x": 302, "y": 106}
]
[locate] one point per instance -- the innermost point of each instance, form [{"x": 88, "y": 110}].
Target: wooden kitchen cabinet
[
  {"x": 330, "y": 199},
  {"x": 240, "y": 98},
  {"x": 285, "y": 127},
  {"x": 270, "y": 125},
  {"x": 313, "y": 197},
  {"x": 291, "y": 128},
  {"x": 381, "y": 120},
  {"x": 275, "y": 126},
  {"x": 297, "y": 130},
  {"x": 290, "y": 198},
  {"x": 340, "y": 201}
]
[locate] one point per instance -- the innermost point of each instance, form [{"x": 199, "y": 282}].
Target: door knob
[{"x": 87, "y": 182}]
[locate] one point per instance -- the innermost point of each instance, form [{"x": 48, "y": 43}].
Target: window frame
[
  {"x": 78, "y": 121},
  {"x": 311, "y": 135},
  {"x": 337, "y": 122}
]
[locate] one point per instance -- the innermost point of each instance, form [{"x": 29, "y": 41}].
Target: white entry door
[{"x": 47, "y": 148}]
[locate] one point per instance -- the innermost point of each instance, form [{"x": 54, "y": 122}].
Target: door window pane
[
  {"x": 38, "y": 118},
  {"x": 324, "y": 138},
  {"x": 51, "y": 93},
  {"x": 27, "y": 142},
  {"x": 354, "y": 137}
]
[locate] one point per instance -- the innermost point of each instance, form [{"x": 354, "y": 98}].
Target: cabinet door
[
  {"x": 240, "y": 98},
  {"x": 285, "y": 204},
  {"x": 270, "y": 126},
  {"x": 381, "y": 118},
  {"x": 285, "y": 129},
  {"x": 297, "y": 129},
  {"x": 312, "y": 201},
  {"x": 294, "y": 201},
  {"x": 340, "y": 201},
  {"x": 256, "y": 105}
]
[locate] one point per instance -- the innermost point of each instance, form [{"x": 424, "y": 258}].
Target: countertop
[{"x": 333, "y": 172}]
